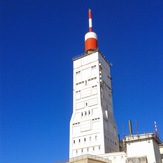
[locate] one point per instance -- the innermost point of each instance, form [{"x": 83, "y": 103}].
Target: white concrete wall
[
  {"x": 161, "y": 151},
  {"x": 157, "y": 152},
  {"x": 144, "y": 147},
  {"x": 86, "y": 126},
  {"x": 116, "y": 157},
  {"x": 92, "y": 126}
]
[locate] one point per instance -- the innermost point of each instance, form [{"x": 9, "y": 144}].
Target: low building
[{"x": 141, "y": 148}]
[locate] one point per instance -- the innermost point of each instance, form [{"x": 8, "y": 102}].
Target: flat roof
[{"x": 140, "y": 137}]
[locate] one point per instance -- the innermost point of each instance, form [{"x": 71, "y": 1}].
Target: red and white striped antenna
[
  {"x": 90, "y": 20},
  {"x": 91, "y": 43}
]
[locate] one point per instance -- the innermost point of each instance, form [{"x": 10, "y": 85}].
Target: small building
[{"x": 141, "y": 148}]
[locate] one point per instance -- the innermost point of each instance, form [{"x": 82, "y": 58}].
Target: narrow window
[
  {"x": 106, "y": 113},
  {"x": 85, "y": 82}
]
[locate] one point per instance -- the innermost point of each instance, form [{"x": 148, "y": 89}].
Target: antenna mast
[{"x": 91, "y": 43}]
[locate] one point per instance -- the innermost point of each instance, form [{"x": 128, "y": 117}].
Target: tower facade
[{"x": 93, "y": 128}]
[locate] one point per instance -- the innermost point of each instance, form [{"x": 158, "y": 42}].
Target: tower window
[
  {"x": 93, "y": 66},
  {"x": 85, "y": 139},
  {"x": 106, "y": 113},
  {"x": 85, "y": 82},
  {"x": 79, "y": 140},
  {"x": 74, "y": 141},
  {"x": 77, "y": 72}
]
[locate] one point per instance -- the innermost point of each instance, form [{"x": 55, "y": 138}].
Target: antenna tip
[{"x": 90, "y": 13}]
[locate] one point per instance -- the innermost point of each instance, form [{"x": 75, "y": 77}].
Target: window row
[
  {"x": 76, "y": 123},
  {"x": 85, "y": 113},
  {"x": 86, "y": 139},
  {"x": 92, "y": 78},
  {"x": 86, "y": 81},
  {"x": 88, "y": 112},
  {"x": 88, "y": 149},
  {"x": 80, "y": 83},
  {"x": 95, "y": 119},
  {"x": 92, "y": 87},
  {"x": 93, "y": 66},
  {"x": 78, "y": 72}
]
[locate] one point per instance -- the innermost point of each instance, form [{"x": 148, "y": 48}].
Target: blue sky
[{"x": 38, "y": 40}]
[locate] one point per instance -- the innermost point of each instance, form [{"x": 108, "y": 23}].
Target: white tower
[{"x": 93, "y": 129}]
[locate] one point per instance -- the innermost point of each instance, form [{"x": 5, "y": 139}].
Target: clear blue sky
[{"x": 38, "y": 40}]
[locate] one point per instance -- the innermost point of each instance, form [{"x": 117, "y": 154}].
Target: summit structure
[{"x": 93, "y": 129}]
